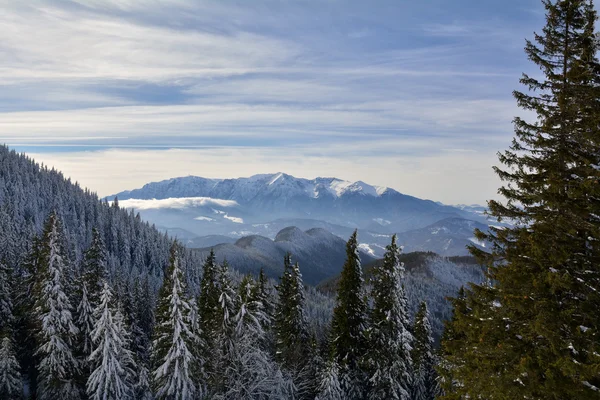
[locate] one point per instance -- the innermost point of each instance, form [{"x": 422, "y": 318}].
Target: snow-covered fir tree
[
  {"x": 111, "y": 360},
  {"x": 224, "y": 349},
  {"x": 57, "y": 335},
  {"x": 350, "y": 322},
  {"x": 424, "y": 376},
  {"x": 329, "y": 383},
  {"x": 85, "y": 322},
  {"x": 249, "y": 371},
  {"x": 94, "y": 269},
  {"x": 209, "y": 313},
  {"x": 389, "y": 358},
  {"x": 6, "y": 299},
  {"x": 290, "y": 324},
  {"x": 11, "y": 386},
  {"x": 176, "y": 368}
]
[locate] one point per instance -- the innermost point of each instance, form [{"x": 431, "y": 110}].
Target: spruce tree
[
  {"x": 57, "y": 367},
  {"x": 111, "y": 378},
  {"x": 209, "y": 311},
  {"x": 11, "y": 386},
  {"x": 175, "y": 365},
  {"x": 94, "y": 269},
  {"x": 27, "y": 323},
  {"x": 533, "y": 332},
  {"x": 389, "y": 359},
  {"x": 329, "y": 384},
  {"x": 85, "y": 322},
  {"x": 249, "y": 371},
  {"x": 290, "y": 325},
  {"x": 425, "y": 377},
  {"x": 6, "y": 303},
  {"x": 225, "y": 350},
  {"x": 350, "y": 321}
]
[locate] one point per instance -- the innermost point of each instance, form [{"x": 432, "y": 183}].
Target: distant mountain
[
  {"x": 448, "y": 237},
  {"x": 221, "y": 204},
  {"x": 321, "y": 254}
]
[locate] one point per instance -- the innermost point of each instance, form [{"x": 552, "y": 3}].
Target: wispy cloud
[{"x": 326, "y": 81}]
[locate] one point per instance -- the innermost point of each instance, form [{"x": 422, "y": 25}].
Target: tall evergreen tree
[
  {"x": 389, "y": 358},
  {"x": 533, "y": 333},
  {"x": 225, "y": 349},
  {"x": 6, "y": 303},
  {"x": 111, "y": 378},
  {"x": 290, "y": 325},
  {"x": 350, "y": 321},
  {"x": 94, "y": 269},
  {"x": 329, "y": 384},
  {"x": 11, "y": 386},
  {"x": 85, "y": 322},
  {"x": 209, "y": 311},
  {"x": 249, "y": 372},
  {"x": 175, "y": 366},
  {"x": 58, "y": 367},
  {"x": 425, "y": 377}
]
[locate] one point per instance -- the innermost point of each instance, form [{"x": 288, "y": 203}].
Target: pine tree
[
  {"x": 85, "y": 322},
  {"x": 11, "y": 386},
  {"x": 175, "y": 367},
  {"x": 425, "y": 377},
  {"x": 94, "y": 269},
  {"x": 329, "y": 383},
  {"x": 111, "y": 359},
  {"x": 6, "y": 304},
  {"x": 350, "y": 321},
  {"x": 209, "y": 311},
  {"x": 58, "y": 367},
  {"x": 452, "y": 340},
  {"x": 27, "y": 323},
  {"x": 249, "y": 372},
  {"x": 389, "y": 358},
  {"x": 533, "y": 332},
  {"x": 290, "y": 325}
]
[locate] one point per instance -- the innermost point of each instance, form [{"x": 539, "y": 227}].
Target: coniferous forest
[{"x": 97, "y": 304}]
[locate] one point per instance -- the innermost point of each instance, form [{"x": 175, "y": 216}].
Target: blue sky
[{"x": 415, "y": 95}]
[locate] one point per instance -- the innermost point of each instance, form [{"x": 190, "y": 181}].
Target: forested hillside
[
  {"x": 97, "y": 304},
  {"x": 29, "y": 192}
]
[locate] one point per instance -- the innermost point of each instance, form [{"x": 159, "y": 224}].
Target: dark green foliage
[
  {"x": 10, "y": 376},
  {"x": 533, "y": 333},
  {"x": 93, "y": 269},
  {"x": 290, "y": 325},
  {"x": 208, "y": 301},
  {"x": 425, "y": 377},
  {"x": 349, "y": 320}
]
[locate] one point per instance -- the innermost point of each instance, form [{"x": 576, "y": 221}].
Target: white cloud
[
  {"x": 176, "y": 203},
  {"x": 46, "y": 42}
]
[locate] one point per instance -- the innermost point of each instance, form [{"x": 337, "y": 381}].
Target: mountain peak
[{"x": 250, "y": 187}]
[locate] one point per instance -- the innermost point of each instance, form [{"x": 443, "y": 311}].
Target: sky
[{"x": 414, "y": 95}]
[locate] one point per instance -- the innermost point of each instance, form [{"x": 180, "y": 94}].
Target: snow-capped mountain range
[{"x": 264, "y": 204}]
